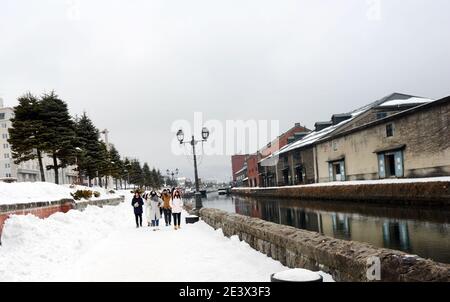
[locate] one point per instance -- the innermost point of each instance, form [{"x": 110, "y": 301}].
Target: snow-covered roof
[
  {"x": 391, "y": 100},
  {"x": 410, "y": 101},
  {"x": 316, "y": 135}
]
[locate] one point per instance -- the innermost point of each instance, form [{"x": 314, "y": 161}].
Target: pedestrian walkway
[{"x": 193, "y": 253}]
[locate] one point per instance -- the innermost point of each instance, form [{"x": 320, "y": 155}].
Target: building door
[
  {"x": 381, "y": 166},
  {"x": 286, "y": 176},
  {"x": 299, "y": 174},
  {"x": 337, "y": 171},
  {"x": 399, "y": 164},
  {"x": 390, "y": 164}
]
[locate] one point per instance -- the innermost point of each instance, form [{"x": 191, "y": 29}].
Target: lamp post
[
  {"x": 78, "y": 150},
  {"x": 193, "y": 142},
  {"x": 172, "y": 173}
]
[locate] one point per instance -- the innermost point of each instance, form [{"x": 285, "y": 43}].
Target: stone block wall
[
  {"x": 419, "y": 194},
  {"x": 344, "y": 260}
]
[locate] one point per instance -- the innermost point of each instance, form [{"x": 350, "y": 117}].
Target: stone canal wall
[
  {"x": 46, "y": 208},
  {"x": 344, "y": 260},
  {"x": 418, "y": 193}
]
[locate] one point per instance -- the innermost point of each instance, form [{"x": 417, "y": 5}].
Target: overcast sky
[{"x": 136, "y": 66}]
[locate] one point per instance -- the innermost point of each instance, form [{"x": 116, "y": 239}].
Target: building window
[
  {"x": 4, "y": 135},
  {"x": 6, "y": 155},
  {"x": 4, "y": 125},
  {"x": 381, "y": 115},
  {"x": 2, "y": 116},
  {"x": 5, "y": 146},
  {"x": 390, "y": 130}
]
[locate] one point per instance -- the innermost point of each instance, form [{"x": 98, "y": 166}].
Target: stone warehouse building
[
  {"x": 411, "y": 143},
  {"x": 321, "y": 157}
]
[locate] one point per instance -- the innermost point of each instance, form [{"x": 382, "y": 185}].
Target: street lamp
[
  {"x": 172, "y": 173},
  {"x": 180, "y": 136},
  {"x": 78, "y": 150},
  {"x": 193, "y": 142},
  {"x": 205, "y": 133}
]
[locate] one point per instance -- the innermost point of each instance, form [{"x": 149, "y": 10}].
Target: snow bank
[
  {"x": 360, "y": 182},
  {"x": 25, "y": 192},
  {"x": 32, "y": 248},
  {"x": 102, "y": 244},
  {"x": 301, "y": 275}
]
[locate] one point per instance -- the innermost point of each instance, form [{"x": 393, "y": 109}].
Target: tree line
[{"x": 42, "y": 126}]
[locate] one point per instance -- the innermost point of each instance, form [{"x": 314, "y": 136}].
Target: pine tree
[
  {"x": 88, "y": 139},
  {"x": 58, "y": 133},
  {"x": 24, "y": 136},
  {"x": 159, "y": 178},
  {"x": 136, "y": 173},
  {"x": 155, "y": 182},
  {"x": 148, "y": 179},
  {"x": 126, "y": 171},
  {"x": 116, "y": 164},
  {"x": 103, "y": 163}
]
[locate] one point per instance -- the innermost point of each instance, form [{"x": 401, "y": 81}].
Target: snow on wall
[
  {"x": 357, "y": 183},
  {"x": 26, "y": 192}
]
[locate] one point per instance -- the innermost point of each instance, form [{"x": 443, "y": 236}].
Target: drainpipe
[{"x": 316, "y": 165}]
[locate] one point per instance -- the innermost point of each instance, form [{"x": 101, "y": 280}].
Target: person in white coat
[
  {"x": 147, "y": 206},
  {"x": 154, "y": 213},
  {"x": 177, "y": 208}
]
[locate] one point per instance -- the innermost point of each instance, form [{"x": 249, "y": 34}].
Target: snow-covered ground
[
  {"x": 25, "y": 192},
  {"x": 363, "y": 182},
  {"x": 102, "y": 244}
]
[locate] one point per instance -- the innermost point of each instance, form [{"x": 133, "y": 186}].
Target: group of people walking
[{"x": 167, "y": 203}]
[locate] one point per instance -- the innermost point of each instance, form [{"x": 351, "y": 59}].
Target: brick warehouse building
[
  {"x": 237, "y": 163},
  {"x": 253, "y": 176}
]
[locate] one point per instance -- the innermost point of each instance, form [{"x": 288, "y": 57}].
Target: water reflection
[{"x": 421, "y": 231}]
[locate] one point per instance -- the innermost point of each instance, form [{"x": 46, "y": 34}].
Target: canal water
[{"x": 419, "y": 231}]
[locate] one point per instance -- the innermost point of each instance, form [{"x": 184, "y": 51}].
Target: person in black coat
[{"x": 137, "y": 204}]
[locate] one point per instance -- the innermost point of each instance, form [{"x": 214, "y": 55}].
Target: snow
[
  {"x": 410, "y": 101},
  {"x": 298, "y": 275},
  {"x": 316, "y": 135},
  {"x": 102, "y": 244},
  {"x": 26, "y": 192},
  {"x": 361, "y": 182}
]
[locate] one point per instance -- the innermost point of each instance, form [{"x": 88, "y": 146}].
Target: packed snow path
[
  {"x": 103, "y": 244},
  {"x": 193, "y": 253}
]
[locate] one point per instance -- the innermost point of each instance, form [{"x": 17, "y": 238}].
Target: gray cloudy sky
[{"x": 136, "y": 66}]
